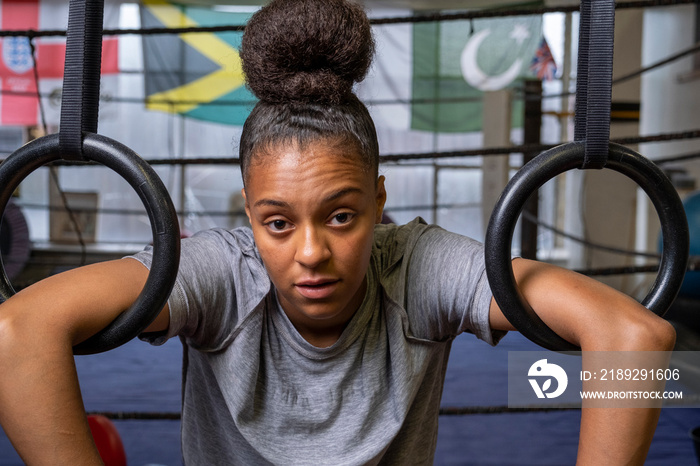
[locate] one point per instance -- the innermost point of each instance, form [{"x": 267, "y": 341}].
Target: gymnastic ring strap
[
  {"x": 532, "y": 176},
  {"x": 594, "y": 80},
  {"x": 160, "y": 210},
  {"x": 80, "y": 98}
]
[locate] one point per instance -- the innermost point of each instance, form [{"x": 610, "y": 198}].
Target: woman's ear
[
  {"x": 247, "y": 207},
  {"x": 381, "y": 199}
]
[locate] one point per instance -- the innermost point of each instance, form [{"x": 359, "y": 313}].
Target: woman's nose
[{"x": 312, "y": 248}]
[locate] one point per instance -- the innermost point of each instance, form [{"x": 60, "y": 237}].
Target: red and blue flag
[{"x": 543, "y": 64}]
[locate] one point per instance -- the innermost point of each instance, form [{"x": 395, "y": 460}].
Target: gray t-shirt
[{"x": 255, "y": 392}]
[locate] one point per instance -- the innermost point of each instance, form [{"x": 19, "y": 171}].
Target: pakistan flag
[{"x": 455, "y": 62}]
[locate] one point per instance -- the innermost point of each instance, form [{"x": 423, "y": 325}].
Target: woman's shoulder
[
  {"x": 220, "y": 239},
  {"x": 392, "y": 242},
  {"x": 230, "y": 254},
  {"x": 392, "y": 233}
]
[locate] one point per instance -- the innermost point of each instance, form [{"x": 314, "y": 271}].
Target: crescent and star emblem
[{"x": 475, "y": 76}]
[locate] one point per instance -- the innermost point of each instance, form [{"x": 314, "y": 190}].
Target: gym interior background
[{"x": 450, "y": 139}]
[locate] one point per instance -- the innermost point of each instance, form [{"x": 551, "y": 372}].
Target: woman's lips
[{"x": 316, "y": 289}]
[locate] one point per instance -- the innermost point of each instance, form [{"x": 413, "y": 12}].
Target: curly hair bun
[{"x": 306, "y": 50}]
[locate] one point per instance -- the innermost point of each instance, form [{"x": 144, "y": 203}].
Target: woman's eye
[
  {"x": 342, "y": 218},
  {"x": 278, "y": 225}
]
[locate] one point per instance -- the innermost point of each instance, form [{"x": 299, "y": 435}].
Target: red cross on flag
[{"x": 18, "y": 100}]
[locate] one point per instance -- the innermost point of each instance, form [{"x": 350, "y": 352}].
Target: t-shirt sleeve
[
  {"x": 220, "y": 279},
  {"x": 447, "y": 291}
]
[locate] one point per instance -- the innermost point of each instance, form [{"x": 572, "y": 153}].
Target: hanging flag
[
  {"x": 543, "y": 64},
  {"x": 455, "y": 62},
  {"x": 19, "y": 104},
  {"x": 198, "y": 75}
]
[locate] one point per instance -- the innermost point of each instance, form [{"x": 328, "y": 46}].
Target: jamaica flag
[{"x": 194, "y": 74}]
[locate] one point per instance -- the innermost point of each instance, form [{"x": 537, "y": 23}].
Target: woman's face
[{"x": 313, "y": 213}]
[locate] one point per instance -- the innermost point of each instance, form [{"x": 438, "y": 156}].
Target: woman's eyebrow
[
  {"x": 341, "y": 193},
  {"x": 271, "y": 202},
  {"x": 331, "y": 197}
]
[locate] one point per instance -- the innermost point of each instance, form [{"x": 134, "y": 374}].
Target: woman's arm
[
  {"x": 41, "y": 409},
  {"x": 597, "y": 318}
]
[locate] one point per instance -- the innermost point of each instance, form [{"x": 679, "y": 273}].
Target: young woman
[{"x": 316, "y": 336}]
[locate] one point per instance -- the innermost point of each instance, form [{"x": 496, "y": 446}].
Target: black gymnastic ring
[
  {"x": 547, "y": 165},
  {"x": 160, "y": 210}
]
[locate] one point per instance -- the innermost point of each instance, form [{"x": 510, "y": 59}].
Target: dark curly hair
[{"x": 301, "y": 58}]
